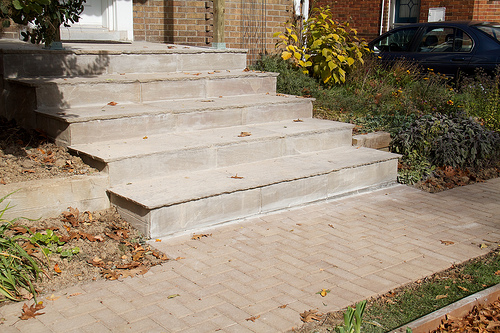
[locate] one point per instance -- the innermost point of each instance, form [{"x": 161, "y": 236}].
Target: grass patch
[{"x": 418, "y": 299}]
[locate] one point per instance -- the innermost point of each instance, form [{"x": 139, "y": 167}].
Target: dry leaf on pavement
[
  {"x": 243, "y": 134},
  {"x": 308, "y": 316},
  {"x": 253, "y": 318},
  {"x": 31, "y": 311},
  {"x": 199, "y": 236},
  {"x": 447, "y": 242}
]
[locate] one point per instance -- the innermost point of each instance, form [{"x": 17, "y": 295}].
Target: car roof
[{"x": 450, "y": 23}]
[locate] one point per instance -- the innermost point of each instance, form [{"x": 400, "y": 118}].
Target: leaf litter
[{"x": 109, "y": 248}]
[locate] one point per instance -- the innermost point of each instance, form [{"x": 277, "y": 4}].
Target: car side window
[
  {"x": 444, "y": 39},
  {"x": 398, "y": 41}
]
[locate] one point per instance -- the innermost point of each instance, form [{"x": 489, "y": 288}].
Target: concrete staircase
[{"x": 188, "y": 136}]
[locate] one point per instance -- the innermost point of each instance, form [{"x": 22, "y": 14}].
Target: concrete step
[
  {"x": 140, "y": 158},
  {"x": 162, "y": 206},
  {"x": 142, "y": 88},
  {"x": 21, "y": 59},
  {"x": 96, "y": 124}
]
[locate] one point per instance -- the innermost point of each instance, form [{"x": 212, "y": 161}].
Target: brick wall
[
  {"x": 487, "y": 10},
  {"x": 249, "y": 24},
  {"x": 364, "y": 16},
  {"x": 456, "y": 10}
]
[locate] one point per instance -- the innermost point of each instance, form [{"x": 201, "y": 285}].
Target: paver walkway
[{"x": 357, "y": 247}]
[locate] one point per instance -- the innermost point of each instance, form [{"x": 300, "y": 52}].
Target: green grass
[{"x": 412, "y": 302}]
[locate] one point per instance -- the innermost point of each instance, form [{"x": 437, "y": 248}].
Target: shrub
[
  {"x": 325, "y": 48},
  {"x": 291, "y": 79},
  {"x": 449, "y": 140},
  {"x": 481, "y": 97}
]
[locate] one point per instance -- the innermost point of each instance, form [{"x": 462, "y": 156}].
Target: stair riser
[
  {"x": 232, "y": 206},
  {"x": 99, "y": 94},
  {"x": 113, "y": 129},
  {"x": 185, "y": 161},
  {"x": 69, "y": 64}
]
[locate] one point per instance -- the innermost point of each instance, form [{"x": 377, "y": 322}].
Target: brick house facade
[{"x": 250, "y": 24}]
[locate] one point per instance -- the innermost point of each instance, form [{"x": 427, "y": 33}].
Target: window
[
  {"x": 398, "y": 41},
  {"x": 406, "y": 11},
  {"x": 492, "y": 30},
  {"x": 445, "y": 39}
]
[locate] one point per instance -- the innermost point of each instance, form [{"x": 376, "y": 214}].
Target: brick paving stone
[
  {"x": 108, "y": 318},
  {"x": 143, "y": 325}
]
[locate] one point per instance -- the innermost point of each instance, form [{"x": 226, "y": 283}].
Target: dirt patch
[
  {"x": 28, "y": 155},
  {"x": 79, "y": 247}
]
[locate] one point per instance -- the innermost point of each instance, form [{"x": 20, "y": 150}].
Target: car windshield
[{"x": 492, "y": 30}]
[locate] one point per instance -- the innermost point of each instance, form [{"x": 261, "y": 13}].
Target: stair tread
[
  {"x": 120, "y": 110},
  {"x": 141, "y": 77},
  {"x": 166, "y": 191},
  {"x": 110, "y": 151}
]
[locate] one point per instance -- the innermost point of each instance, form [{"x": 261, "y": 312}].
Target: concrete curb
[
  {"x": 457, "y": 309},
  {"x": 49, "y": 197}
]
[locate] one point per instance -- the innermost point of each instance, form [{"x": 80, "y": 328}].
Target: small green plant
[
  {"x": 352, "y": 319},
  {"x": 413, "y": 168},
  {"x": 325, "y": 48},
  {"x": 68, "y": 253},
  {"x": 17, "y": 268}
]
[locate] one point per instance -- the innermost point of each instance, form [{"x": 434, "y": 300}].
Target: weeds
[{"x": 17, "y": 268}]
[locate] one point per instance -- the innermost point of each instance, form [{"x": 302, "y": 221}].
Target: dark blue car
[{"x": 446, "y": 47}]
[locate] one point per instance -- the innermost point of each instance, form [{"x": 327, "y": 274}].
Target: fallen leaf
[
  {"x": 236, "y": 177},
  {"x": 179, "y": 258},
  {"x": 243, "y": 134},
  {"x": 173, "y": 296},
  {"x": 441, "y": 296},
  {"x": 463, "y": 288},
  {"x": 446, "y": 287},
  {"x": 52, "y": 297},
  {"x": 308, "y": 316},
  {"x": 138, "y": 255},
  {"x": 30, "y": 311},
  {"x": 157, "y": 240},
  {"x": 74, "y": 294},
  {"x": 3, "y": 182},
  {"x": 199, "y": 236},
  {"x": 246, "y": 69},
  {"x": 253, "y": 318},
  {"x": 483, "y": 246},
  {"x": 112, "y": 103},
  {"x": 298, "y": 120},
  {"x": 283, "y": 306},
  {"x": 497, "y": 272},
  {"x": 323, "y": 292},
  {"x": 57, "y": 269},
  {"x": 447, "y": 242},
  {"x": 331, "y": 226},
  {"x": 145, "y": 138}
]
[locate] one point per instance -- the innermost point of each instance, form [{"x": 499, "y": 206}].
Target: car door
[
  {"x": 395, "y": 44},
  {"x": 444, "y": 49}
]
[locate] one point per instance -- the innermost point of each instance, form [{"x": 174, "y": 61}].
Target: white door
[
  {"x": 103, "y": 20},
  {"x": 92, "y": 14}
]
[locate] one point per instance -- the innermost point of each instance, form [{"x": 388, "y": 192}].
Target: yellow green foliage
[{"x": 325, "y": 48}]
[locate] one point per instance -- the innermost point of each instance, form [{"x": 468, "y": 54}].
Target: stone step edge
[
  {"x": 150, "y": 109},
  {"x": 121, "y": 190},
  {"x": 18, "y": 48},
  {"x": 83, "y": 149},
  {"x": 140, "y": 78}
]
